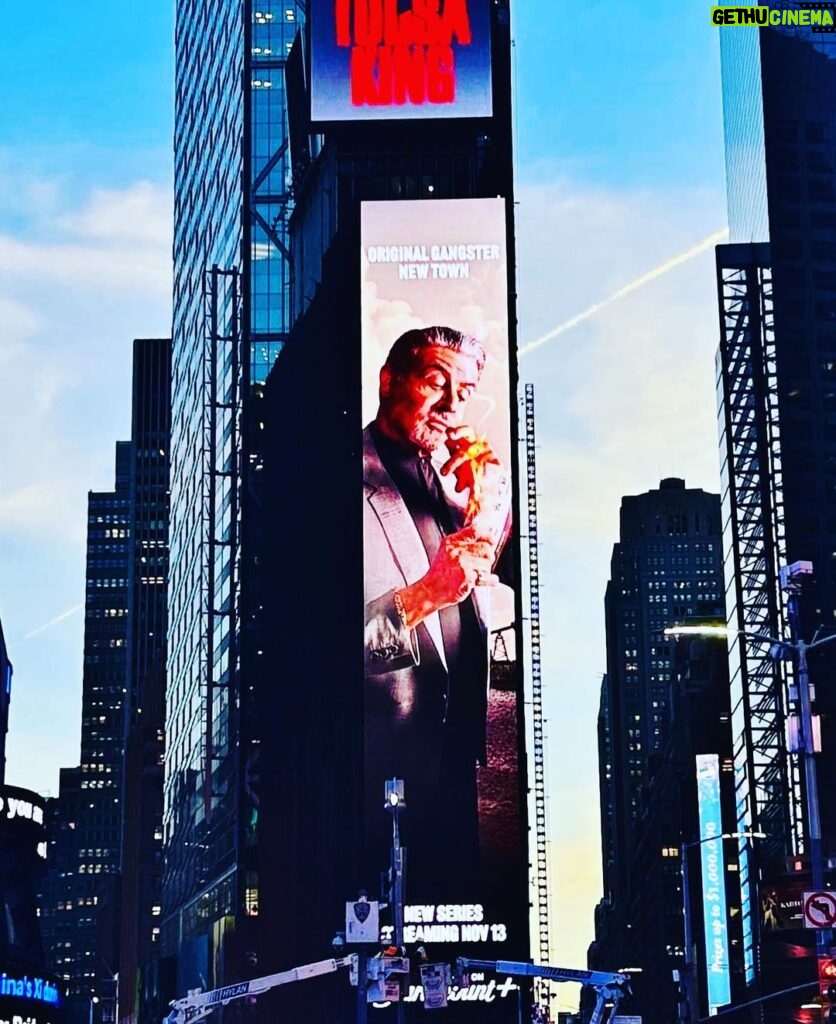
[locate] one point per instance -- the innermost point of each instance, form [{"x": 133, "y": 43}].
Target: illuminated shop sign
[
  {"x": 386, "y": 59},
  {"x": 718, "y": 975},
  {"x": 12, "y": 807},
  {"x": 29, "y": 988},
  {"x": 480, "y": 990}
]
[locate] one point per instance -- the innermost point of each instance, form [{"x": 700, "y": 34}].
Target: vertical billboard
[
  {"x": 390, "y": 59},
  {"x": 442, "y": 683},
  {"x": 715, "y": 917}
]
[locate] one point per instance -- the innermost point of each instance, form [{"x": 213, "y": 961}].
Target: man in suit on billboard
[{"x": 436, "y": 516}]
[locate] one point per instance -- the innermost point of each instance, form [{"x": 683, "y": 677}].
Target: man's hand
[
  {"x": 468, "y": 457},
  {"x": 462, "y": 562}
]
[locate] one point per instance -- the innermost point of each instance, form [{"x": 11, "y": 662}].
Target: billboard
[
  {"x": 390, "y": 59},
  {"x": 30, "y": 999},
  {"x": 715, "y": 917},
  {"x": 442, "y": 682}
]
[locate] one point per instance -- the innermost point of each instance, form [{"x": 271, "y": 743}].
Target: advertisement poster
[
  {"x": 718, "y": 977},
  {"x": 441, "y": 680},
  {"x": 380, "y": 59}
]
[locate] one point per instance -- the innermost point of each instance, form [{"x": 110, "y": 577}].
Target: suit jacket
[{"x": 393, "y": 557}]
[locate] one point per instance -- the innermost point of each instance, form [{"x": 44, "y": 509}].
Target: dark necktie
[{"x": 432, "y": 528}]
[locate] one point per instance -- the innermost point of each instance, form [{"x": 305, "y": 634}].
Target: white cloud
[
  {"x": 141, "y": 213},
  {"x": 71, "y": 301},
  {"x": 118, "y": 241},
  {"x": 81, "y": 278}
]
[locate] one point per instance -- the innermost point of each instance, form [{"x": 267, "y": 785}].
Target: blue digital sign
[
  {"x": 718, "y": 975},
  {"x": 33, "y": 988}
]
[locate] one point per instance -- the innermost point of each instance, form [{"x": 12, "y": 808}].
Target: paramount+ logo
[{"x": 818, "y": 17}]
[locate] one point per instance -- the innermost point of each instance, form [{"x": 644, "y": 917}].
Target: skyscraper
[
  {"x": 230, "y": 321},
  {"x": 666, "y": 567},
  {"x": 124, "y": 646},
  {"x": 776, "y": 374},
  {"x": 80, "y": 894},
  {"x": 142, "y": 800},
  {"x": 403, "y": 219}
]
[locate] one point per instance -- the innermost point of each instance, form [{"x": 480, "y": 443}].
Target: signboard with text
[
  {"x": 386, "y": 59},
  {"x": 715, "y": 916}
]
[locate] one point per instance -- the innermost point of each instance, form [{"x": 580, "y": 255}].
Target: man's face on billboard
[{"x": 420, "y": 406}]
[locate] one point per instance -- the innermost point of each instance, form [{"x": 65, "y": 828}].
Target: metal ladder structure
[{"x": 537, "y": 720}]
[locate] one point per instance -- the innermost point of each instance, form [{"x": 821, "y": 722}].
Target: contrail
[
  {"x": 55, "y": 621},
  {"x": 651, "y": 275}
]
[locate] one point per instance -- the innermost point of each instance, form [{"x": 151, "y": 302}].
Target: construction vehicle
[
  {"x": 610, "y": 989},
  {"x": 197, "y": 1005}
]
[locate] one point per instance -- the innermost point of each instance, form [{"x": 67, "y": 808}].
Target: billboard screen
[
  {"x": 715, "y": 918},
  {"x": 387, "y": 59},
  {"x": 442, "y": 682}
]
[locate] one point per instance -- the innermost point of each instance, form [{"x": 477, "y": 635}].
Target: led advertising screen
[
  {"x": 29, "y": 999},
  {"x": 442, "y": 683},
  {"x": 390, "y": 59},
  {"x": 715, "y": 919}
]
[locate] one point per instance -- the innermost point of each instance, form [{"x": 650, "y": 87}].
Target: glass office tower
[
  {"x": 777, "y": 389},
  {"x": 230, "y": 319}
]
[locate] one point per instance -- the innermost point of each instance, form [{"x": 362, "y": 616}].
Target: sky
[{"x": 619, "y": 173}]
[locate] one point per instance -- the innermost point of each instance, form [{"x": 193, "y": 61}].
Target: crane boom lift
[
  {"x": 610, "y": 988},
  {"x": 198, "y": 1005}
]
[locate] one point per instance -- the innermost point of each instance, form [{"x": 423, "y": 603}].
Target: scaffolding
[
  {"x": 767, "y": 785},
  {"x": 220, "y": 535}
]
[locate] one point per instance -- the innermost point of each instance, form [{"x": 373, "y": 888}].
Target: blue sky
[{"x": 620, "y": 169}]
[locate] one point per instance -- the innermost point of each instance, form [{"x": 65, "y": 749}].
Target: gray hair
[{"x": 402, "y": 354}]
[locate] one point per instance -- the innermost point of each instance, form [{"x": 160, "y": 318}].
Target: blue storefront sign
[{"x": 715, "y": 916}]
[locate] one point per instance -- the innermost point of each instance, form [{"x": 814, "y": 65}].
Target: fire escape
[{"x": 767, "y": 783}]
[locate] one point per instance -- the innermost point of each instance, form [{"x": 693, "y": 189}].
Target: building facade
[
  {"x": 776, "y": 366},
  {"x": 95, "y": 819},
  {"x": 316, "y": 782},
  {"x": 23, "y": 853},
  {"x": 230, "y": 321},
  {"x": 144, "y": 725},
  {"x": 657, "y": 712},
  {"x": 79, "y": 898}
]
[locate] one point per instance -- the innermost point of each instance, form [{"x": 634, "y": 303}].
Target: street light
[
  {"x": 689, "y": 1009},
  {"x": 395, "y": 802}
]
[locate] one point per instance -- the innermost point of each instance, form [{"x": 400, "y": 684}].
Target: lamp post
[
  {"x": 395, "y": 802},
  {"x": 690, "y": 1011}
]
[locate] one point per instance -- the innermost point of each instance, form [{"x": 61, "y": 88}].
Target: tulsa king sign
[{"x": 394, "y": 59}]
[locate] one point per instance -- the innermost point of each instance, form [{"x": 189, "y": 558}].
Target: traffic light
[{"x": 827, "y": 989}]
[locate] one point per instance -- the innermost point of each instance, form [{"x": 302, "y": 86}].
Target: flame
[{"x": 479, "y": 455}]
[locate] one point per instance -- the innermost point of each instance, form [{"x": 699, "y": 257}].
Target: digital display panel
[
  {"x": 29, "y": 999},
  {"x": 715, "y": 918},
  {"x": 442, "y": 680},
  {"x": 390, "y": 59}
]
